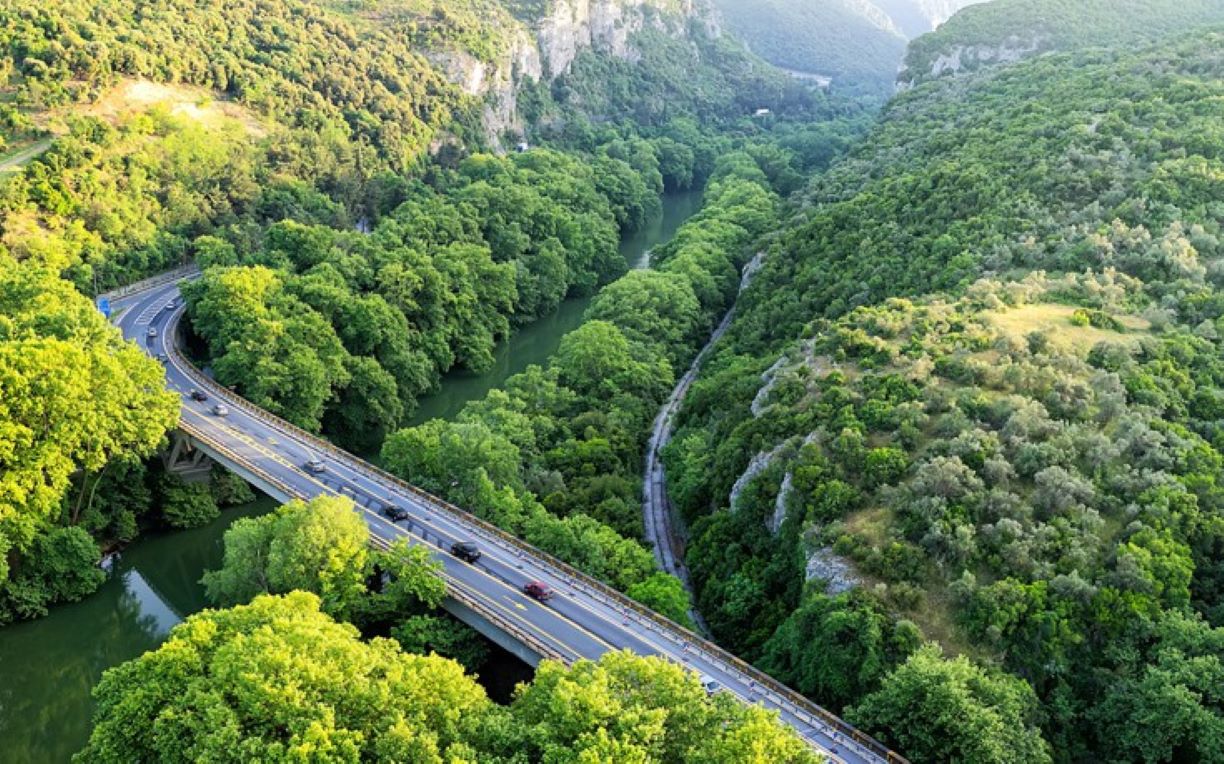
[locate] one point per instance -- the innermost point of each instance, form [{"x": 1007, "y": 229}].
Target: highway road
[{"x": 584, "y": 620}]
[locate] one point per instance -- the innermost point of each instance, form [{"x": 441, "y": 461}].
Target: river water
[
  {"x": 535, "y": 343},
  {"x": 49, "y": 666}
]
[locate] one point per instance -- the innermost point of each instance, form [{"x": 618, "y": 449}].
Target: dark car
[
  {"x": 199, "y": 395},
  {"x": 538, "y": 590},
  {"x": 394, "y": 513},
  {"x": 466, "y": 550}
]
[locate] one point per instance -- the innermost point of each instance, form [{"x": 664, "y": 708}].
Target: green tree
[
  {"x": 185, "y": 505},
  {"x": 950, "y": 710},
  {"x": 278, "y": 680},
  {"x": 630, "y": 708},
  {"x": 837, "y": 649},
  {"x": 320, "y": 547},
  {"x": 664, "y": 594}
]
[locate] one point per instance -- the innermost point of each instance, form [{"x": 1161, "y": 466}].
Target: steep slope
[
  {"x": 1026, "y": 467},
  {"x": 1006, "y": 31},
  {"x": 917, "y": 17},
  {"x": 857, "y": 44}
]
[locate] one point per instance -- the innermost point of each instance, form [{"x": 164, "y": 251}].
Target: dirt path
[
  {"x": 666, "y": 532},
  {"x": 17, "y": 160}
]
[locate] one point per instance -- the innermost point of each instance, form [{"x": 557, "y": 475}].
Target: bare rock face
[
  {"x": 971, "y": 57},
  {"x": 607, "y": 26},
  {"x": 825, "y": 565},
  {"x": 547, "y": 49}
]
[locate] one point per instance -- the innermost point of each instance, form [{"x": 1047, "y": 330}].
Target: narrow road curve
[{"x": 664, "y": 530}]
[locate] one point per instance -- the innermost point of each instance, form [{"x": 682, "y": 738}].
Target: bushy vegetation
[
  {"x": 344, "y": 331},
  {"x": 278, "y": 679},
  {"x": 79, "y": 409},
  {"x": 1032, "y": 27},
  {"x": 310, "y": 69},
  {"x": 1025, "y": 467}
]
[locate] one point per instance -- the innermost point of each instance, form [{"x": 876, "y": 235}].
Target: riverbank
[
  {"x": 45, "y": 703},
  {"x": 537, "y": 342}
]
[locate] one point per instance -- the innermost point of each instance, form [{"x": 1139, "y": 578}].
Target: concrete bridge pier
[{"x": 186, "y": 460}]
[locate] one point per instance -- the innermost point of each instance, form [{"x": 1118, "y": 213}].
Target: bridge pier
[
  {"x": 494, "y": 634},
  {"x": 185, "y": 459}
]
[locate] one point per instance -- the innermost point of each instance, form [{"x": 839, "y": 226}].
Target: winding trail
[{"x": 664, "y": 530}]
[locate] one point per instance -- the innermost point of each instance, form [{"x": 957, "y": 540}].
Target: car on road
[
  {"x": 168, "y": 306},
  {"x": 538, "y": 590},
  {"x": 198, "y": 395},
  {"x": 710, "y": 684},
  {"x": 313, "y": 465},
  {"x": 395, "y": 514},
  {"x": 152, "y": 332},
  {"x": 220, "y": 410},
  {"x": 466, "y": 551},
  {"x": 163, "y": 358}
]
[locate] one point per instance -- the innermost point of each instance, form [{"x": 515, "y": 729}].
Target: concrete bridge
[{"x": 585, "y": 619}]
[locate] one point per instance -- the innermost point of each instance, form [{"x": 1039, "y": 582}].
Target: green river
[{"x": 48, "y": 666}]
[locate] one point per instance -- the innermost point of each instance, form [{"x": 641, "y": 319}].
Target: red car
[{"x": 538, "y": 590}]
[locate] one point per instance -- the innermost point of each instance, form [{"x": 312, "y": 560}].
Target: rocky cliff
[{"x": 544, "y": 46}]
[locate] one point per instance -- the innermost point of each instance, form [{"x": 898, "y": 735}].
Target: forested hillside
[
  {"x": 975, "y": 397},
  {"x": 1010, "y": 30},
  {"x": 323, "y": 162},
  {"x": 857, "y": 44}
]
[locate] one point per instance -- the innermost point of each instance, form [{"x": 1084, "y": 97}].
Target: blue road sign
[{"x": 104, "y": 306}]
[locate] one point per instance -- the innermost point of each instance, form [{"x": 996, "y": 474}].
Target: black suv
[
  {"x": 395, "y": 514},
  {"x": 199, "y": 395},
  {"x": 466, "y": 550}
]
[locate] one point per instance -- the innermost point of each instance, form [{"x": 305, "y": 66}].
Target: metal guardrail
[
  {"x": 809, "y": 712},
  {"x": 454, "y": 588},
  {"x": 151, "y": 282}
]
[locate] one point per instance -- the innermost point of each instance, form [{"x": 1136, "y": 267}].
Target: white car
[{"x": 710, "y": 684}]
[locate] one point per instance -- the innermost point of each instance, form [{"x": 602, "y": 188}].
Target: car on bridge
[
  {"x": 710, "y": 684},
  {"x": 538, "y": 590},
  {"x": 220, "y": 410},
  {"x": 466, "y": 551},
  {"x": 198, "y": 395},
  {"x": 314, "y": 465},
  {"x": 395, "y": 514},
  {"x": 152, "y": 332}
]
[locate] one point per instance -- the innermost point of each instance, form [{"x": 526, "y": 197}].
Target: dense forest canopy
[
  {"x": 856, "y": 44},
  {"x": 319, "y": 162},
  {"x": 955, "y": 470},
  {"x": 1025, "y": 466},
  {"x": 832, "y": 38}
]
